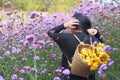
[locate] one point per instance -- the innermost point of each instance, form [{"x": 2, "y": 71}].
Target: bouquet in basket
[
  {"x": 94, "y": 56},
  {"x": 88, "y": 57}
]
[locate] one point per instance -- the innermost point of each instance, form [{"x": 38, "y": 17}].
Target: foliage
[
  {"x": 27, "y": 52},
  {"x": 41, "y": 5}
]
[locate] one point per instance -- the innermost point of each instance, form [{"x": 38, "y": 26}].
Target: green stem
[
  {"x": 117, "y": 78},
  {"x": 35, "y": 65}
]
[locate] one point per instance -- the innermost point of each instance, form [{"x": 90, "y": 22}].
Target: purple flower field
[{"x": 27, "y": 53}]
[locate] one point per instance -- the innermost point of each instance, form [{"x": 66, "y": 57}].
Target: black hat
[{"x": 84, "y": 22}]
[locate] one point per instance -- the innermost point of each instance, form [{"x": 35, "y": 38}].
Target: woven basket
[{"x": 79, "y": 68}]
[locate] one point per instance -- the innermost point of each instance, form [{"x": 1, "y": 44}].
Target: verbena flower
[
  {"x": 22, "y": 71},
  {"x": 107, "y": 48},
  {"x": 56, "y": 78},
  {"x": 30, "y": 37},
  {"x": 6, "y": 53},
  {"x": 41, "y": 42},
  {"x": 110, "y": 63},
  {"x": 14, "y": 77},
  {"x": 26, "y": 42},
  {"x": 14, "y": 50},
  {"x": 1, "y": 78},
  {"x": 36, "y": 58},
  {"x": 34, "y": 14},
  {"x": 27, "y": 68},
  {"x": 24, "y": 59},
  {"x": 58, "y": 70},
  {"x": 9, "y": 23},
  {"x": 66, "y": 72},
  {"x": 43, "y": 71},
  {"x": 21, "y": 78},
  {"x": 95, "y": 43}
]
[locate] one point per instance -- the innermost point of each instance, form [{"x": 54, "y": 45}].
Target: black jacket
[{"x": 68, "y": 43}]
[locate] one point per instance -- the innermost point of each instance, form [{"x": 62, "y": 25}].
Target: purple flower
[
  {"x": 14, "y": 77},
  {"x": 26, "y": 42},
  {"x": 107, "y": 48},
  {"x": 41, "y": 42},
  {"x": 58, "y": 70},
  {"x": 95, "y": 43},
  {"x": 22, "y": 71},
  {"x": 34, "y": 46},
  {"x": 14, "y": 50},
  {"x": 99, "y": 71},
  {"x": 9, "y": 23},
  {"x": 21, "y": 78},
  {"x": 9, "y": 13},
  {"x": 56, "y": 78},
  {"x": 36, "y": 58},
  {"x": 31, "y": 48},
  {"x": 54, "y": 55},
  {"x": 15, "y": 11},
  {"x": 66, "y": 72},
  {"x": 115, "y": 49},
  {"x": 8, "y": 3},
  {"x": 27, "y": 68},
  {"x": 24, "y": 59},
  {"x": 111, "y": 63},
  {"x": 1, "y": 49},
  {"x": 34, "y": 70},
  {"x": 30, "y": 38},
  {"x": 1, "y": 78},
  {"x": 6, "y": 53},
  {"x": 18, "y": 50},
  {"x": 34, "y": 14},
  {"x": 1, "y": 25},
  {"x": 105, "y": 68},
  {"x": 43, "y": 71},
  {"x": 102, "y": 66}
]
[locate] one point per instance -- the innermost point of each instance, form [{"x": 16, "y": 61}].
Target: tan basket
[{"x": 79, "y": 68}]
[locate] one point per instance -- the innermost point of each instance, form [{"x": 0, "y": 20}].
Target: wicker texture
[{"x": 79, "y": 68}]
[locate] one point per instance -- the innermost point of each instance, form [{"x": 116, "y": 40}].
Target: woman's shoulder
[{"x": 88, "y": 39}]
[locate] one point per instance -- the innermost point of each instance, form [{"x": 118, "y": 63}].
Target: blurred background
[
  {"x": 45, "y": 5},
  {"x": 39, "y": 5},
  {"x": 39, "y": 59}
]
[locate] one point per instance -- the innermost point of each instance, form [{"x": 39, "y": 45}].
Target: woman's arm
[{"x": 54, "y": 32}]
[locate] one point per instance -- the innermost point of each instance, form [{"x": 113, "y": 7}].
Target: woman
[{"x": 79, "y": 25}]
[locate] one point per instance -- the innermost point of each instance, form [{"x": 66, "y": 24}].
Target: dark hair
[{"x": 84, "y": 22}]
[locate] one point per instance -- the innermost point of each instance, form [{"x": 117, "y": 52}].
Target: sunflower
[
  {"x": 100, "y": 45},
  {"x": 88, "y": 61},
  {"x": 94, "y": 66},
  {"x": 94, "y": 56},
  {"x": 103, "y": 57}
]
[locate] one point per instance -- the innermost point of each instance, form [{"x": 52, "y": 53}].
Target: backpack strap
[
  {"x": 91, "y": 40},
  {"x": 78, "y": 39},
  {"x": 81, "y": 41}
]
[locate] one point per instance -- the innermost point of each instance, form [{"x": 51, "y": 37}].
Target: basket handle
[
  {"x": 91, "y": 40},
  {"x": 81, "y": 41},
  {"x": 77, "y": 38}
]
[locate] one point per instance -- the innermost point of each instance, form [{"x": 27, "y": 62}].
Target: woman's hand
[
  {"x": 92, "y": 31},
  {"x": 71, "y": 23}
]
